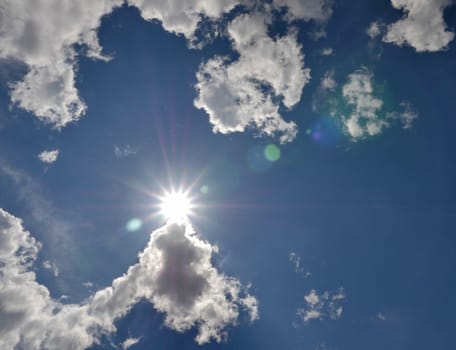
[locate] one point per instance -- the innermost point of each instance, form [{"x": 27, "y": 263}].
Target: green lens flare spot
[
  {"x": 204, "y": 189},
  {"x": 272, "y": 153},
  {"x": 134, "y": 225}
]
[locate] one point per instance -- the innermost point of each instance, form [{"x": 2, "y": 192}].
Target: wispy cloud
[
  {"x": 125, "y": 151},
  {"x": 322, "y": 306}
]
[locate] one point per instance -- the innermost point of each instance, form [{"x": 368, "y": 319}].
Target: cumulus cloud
[
  {"x": 422, "y": 27},
  {"x": 42, "y": 35},
  {"x": 322, "y": 306},
  {"x": 183, "y": 17},
  {"x": 174, "y": 273},
  {"x": 248, "y": 91},
  {"x": 49, "y": 156}
]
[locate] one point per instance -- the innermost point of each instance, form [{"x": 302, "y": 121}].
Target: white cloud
[
  {"x": 358, "y": 106},
  {"x": 174, "y": 273},
  {"x": 247, "y": 92},
  {"x": 49, "y": 156},
  {"x": 328, "y": 51},
  {"x": 41, "y": 34},
  {"x": 127, "y": 343},
  {"x": 358, "y": 93},
  {"x": 182, "y": 17},
  {"x": 123, "y": 152},
  {"x": 318, "y": 10},
  {"x": 366, "y": 116},
  {"x": 322, "y": 306},
  {"x": 422, "y": 27},
  {"x": 375, "y": 29}
]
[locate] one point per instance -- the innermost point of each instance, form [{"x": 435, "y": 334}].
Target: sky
[{"x": 227, "y": 174}]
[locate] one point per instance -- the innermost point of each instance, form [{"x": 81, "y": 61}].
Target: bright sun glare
[{"x": 175, "y": 206}]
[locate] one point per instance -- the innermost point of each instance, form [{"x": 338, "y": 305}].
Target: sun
[{"x": 176, "y": 206}]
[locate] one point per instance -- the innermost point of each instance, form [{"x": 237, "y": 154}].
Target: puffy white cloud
[
  {"x": 318, "y": 10},
  {"x": 174, "y": 273},
  {"x": 49, "y": 156},
  {"x": 423, "y": 26},
  {"x": 42, "y": 34},
  {"x": 29, "y": 318},
  {"x": 182, "y": 17},
  {"x": 321, "y": 306},
  {"x": 247, "y": 92}
]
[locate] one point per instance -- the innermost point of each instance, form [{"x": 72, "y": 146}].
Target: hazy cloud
[
  {"x": 381, "y": 316},
  {"x": 328, "y": 82},
  {"x": 123, "y": 152}
]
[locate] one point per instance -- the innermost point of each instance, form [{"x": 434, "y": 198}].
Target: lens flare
[{"x": 176, "y": 206}]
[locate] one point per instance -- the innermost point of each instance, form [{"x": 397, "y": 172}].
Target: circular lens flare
[{"x": 176, "y": 206}]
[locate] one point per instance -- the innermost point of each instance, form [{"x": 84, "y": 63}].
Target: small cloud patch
[{"x": 49, "y": 157}]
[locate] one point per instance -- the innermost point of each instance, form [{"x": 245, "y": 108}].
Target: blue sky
[{"x": 313, "y": 138}]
